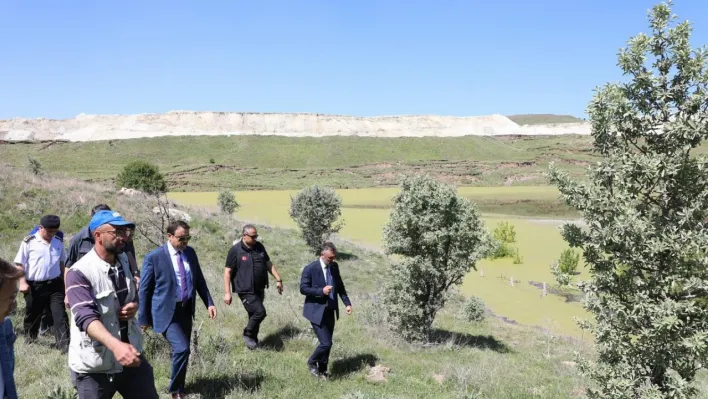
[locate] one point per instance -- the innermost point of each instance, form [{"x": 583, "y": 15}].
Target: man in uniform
[
  {"x": 246, "y": 273},
  {"x": 42, "y": 257},
  {"x": 46, "y": 323}
]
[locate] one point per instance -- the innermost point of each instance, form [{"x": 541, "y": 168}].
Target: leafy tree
[
  {"x": 438, "y": 237},
  {"x": 143, "y": 176},
  {"x": 474, "y": 309},
  {"x": 569, "y": 261},
  {"x": 645, "y": 205},
  {"x": 227, "y": 202},
  {"x": 315, "y": 210}
]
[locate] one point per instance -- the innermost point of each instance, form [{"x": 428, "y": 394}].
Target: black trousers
[
  {"x": 45, "y": 295},
  {"x": 324, "y": 332},
  {"x": 253, "y": 303},
  {"x": 132, "y": 382}
]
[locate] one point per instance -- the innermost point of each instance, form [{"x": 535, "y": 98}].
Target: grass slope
[
  {"x": 491, "y": 359},
  {"x": 273, "y": 162},
  {"x": 543, "y": 119}
]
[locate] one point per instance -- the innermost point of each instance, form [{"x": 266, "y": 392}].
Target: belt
[{"x": 44, "y": 281}]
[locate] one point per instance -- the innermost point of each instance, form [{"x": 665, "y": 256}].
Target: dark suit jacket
[
  {"x": 158, "y": 288},
  {"x": 312, "y": 282}
]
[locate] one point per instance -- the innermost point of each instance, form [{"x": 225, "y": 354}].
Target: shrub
[
  {"x": 644, "y": 204},
  {"x": 227, "y": 202},
  {"x": 438, "y": 237},
  {"x": 143, "y": 176},
  {"x": 568, "y": 261},
  {"x": 212, "y": 160},
  {"x": 562, "y": 278},
  {"x": 34, "y": 166},
  {"x": 474, "y": 309},
  {"x": 504, "y": 238},
  {"x": 315, "y": 210}
]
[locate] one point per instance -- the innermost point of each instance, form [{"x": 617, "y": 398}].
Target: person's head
[
  {"x": 250, "y": 234},
  {"x": 9, "y": 275},
  {"x": 48, "y": 226},
  {"x": 328, "y": 253},
  {"x": 178, "y": 234},
  {"x": 110, "y": 231},
  {"x": 99, "y": 207}
]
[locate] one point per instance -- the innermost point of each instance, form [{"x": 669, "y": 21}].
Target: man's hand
[
  {"x": 279, "y": 285},
  {"x": 126, "y": 354},
  {"x": 128, "y": 311},
  {"x": 24, "y": 287},
  {"x": 227, "y": 298},
  {"x": 212, "y": 312},
  {"x": 66, "y": 301},
  {"x": 327, "y": 289},
  {"x": 349, "y": 309}
]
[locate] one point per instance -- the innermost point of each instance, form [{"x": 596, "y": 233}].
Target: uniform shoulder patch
[{"x": 29, "y": 238}]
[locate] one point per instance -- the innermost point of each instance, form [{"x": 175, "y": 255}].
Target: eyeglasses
[
  {"x": 121, "y": 233},
  {"x": 254, "y": 236},
  {"x": 183, "y": 238}
]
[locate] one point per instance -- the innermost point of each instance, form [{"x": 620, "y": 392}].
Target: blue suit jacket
[
  {"x": 312, "y": 282},
  {"x": 158, "y": 288}
]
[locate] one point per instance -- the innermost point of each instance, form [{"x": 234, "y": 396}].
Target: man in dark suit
[
  {"x": 171, "y": 278},
  {"x": 321, "y": 283}
]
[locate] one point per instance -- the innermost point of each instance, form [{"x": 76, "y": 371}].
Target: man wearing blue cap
[{"x": 106, "y": 340}]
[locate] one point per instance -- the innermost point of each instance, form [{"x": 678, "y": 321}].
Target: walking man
[
  {"x": 42, "y": 257},
  {"x": 246, "y": 273},
  {"x": 106, "y": 340},
  {"x": 46, "y": 323},
  {"x": 321, "y": 283},
  {"x": 82, "y": 243},
  {"x": 171, "y": 280}
]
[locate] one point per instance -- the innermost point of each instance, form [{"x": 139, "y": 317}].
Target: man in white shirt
[{"x": 42, "y": 257}]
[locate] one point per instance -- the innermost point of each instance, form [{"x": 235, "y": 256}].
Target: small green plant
[
  {"x": 562, "y": 278},
  {"x": 227, "y": 202},
  {"x": 211, "y": 160},
  {"x": 504, "y": 238},
  {"x": 143, "y": 176},
  {"x": 474, "y": 309},
  {"x": 34, "y": 166},
  {"x": 61, "y": 393},
  {"x": 568, "y": 261}
]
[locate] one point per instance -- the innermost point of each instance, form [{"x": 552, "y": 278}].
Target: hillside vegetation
[
  {"x": 489, "y": 359},
  {"x": 543, "y": 119},
  {"x": 198, "y": 163}
]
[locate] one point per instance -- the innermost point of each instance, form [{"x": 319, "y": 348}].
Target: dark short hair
[
  {"x": 100, "y": 207},
  {"x": 8, "y": 271},
  {"x": 176, "y": 224},
  {"x": 246, "y": 228},
  {"x": 328, "y": 246}
]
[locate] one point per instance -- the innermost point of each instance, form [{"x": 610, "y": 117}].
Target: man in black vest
[{"x": 246, "y": 274}]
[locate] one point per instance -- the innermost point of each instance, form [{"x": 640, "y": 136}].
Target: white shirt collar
[
  {"x": 324, "y": 265},
  {"x": 171, "y": 249},
  {"x": 39, "y": 237}
]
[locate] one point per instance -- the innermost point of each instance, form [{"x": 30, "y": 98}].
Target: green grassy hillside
[
  {"x": 542, "y": 119},
  {"x": 492, "y": 359},
  {"x": 272, "y": 162}
]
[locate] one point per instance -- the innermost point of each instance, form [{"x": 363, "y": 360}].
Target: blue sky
[{"x": 366, "y": 57}]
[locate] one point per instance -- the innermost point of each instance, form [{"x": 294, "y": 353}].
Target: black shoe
[
  {"x": 250, "y": 342},
  {"x": 324, "y": 375}
]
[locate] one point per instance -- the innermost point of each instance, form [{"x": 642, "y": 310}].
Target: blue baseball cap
[{"x": 108, "y": 217}]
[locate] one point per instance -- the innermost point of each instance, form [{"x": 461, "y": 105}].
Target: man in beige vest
[{"x": 106, "y": 340}]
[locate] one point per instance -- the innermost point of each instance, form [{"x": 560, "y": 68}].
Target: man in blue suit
[
  {"x": 171, "y": 278},
  {"x": 321, "y": 283}
]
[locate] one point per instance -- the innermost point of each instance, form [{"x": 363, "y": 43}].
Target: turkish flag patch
[{"x": 244, "y": 257}]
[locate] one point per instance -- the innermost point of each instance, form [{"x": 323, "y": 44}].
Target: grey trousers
[{"x": 133, "y": 382}]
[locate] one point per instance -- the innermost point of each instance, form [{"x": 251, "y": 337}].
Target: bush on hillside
[
  {"x": 474, "y": 309},
  {"x": 562, "y": 278},
  {"x": 143, "y": 176},
  {"x": 644, "y": 204},
  {"x": 316, "y": 210},
  {"x": 227, "y": 202},
  {"x": 439, "y": 237}
]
